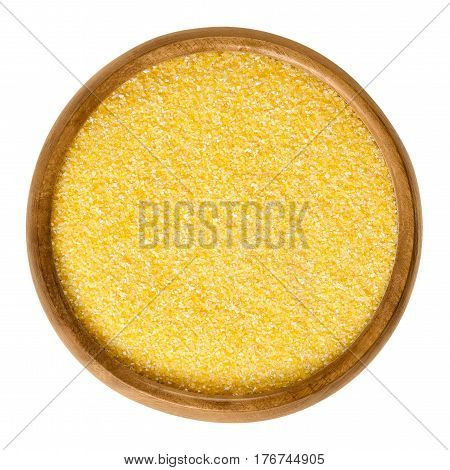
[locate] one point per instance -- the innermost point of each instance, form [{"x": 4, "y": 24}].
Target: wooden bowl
[{"x": 142, "y": 389}]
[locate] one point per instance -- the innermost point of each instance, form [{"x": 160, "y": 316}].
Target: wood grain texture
[{"x": 165, "y": 398}]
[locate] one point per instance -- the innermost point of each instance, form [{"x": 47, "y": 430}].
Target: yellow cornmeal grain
[{"x": 235, "y": 321}]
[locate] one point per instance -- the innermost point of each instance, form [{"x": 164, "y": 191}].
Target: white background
[{"x": 90, "y": 424}]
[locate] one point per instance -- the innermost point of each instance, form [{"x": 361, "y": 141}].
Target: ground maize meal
[{"x": 234, "y": 321}]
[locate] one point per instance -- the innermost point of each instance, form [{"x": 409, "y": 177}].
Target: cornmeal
[{"x": 228, "y": 319}]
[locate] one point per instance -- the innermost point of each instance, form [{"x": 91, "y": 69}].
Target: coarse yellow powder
[{"x": 219, "y": 126}]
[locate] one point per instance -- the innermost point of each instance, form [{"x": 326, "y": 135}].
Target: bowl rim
[{"x": 169, "y": 399}]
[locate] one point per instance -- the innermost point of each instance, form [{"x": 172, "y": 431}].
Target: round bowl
[{"x": 169, "y": 399}]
